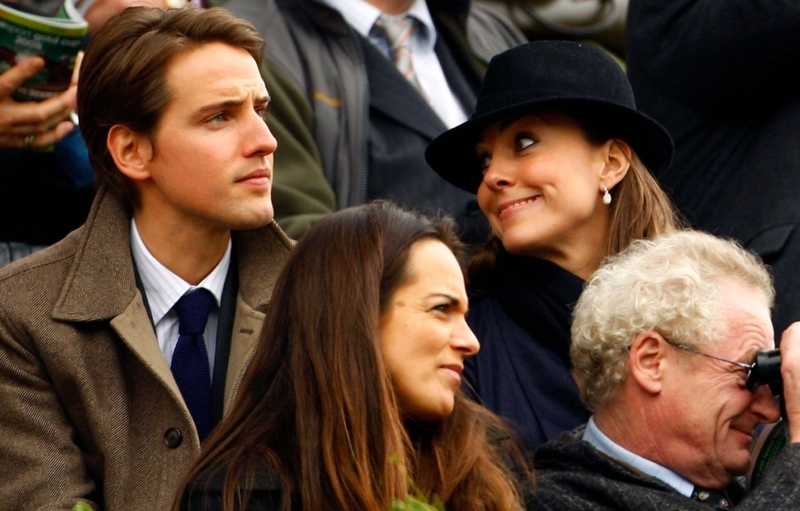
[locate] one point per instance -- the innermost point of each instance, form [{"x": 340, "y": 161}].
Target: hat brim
[{"x": 452, "y": 154}]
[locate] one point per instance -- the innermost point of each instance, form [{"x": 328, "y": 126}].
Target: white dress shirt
[
  {"x": 602, "y": 443},
  {"x": 163, "y": 289},
  {"x": 362, "y": 17}
]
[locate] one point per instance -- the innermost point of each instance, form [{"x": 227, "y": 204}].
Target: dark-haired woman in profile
[
  {"x": 353, "y": 389},
  {"x": 561, "y": 161}
]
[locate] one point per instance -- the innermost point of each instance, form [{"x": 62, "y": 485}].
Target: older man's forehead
[{"x": 748, "y": 326}]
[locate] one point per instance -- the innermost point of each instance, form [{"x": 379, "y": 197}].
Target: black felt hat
[{"x": 551, "y": 75}]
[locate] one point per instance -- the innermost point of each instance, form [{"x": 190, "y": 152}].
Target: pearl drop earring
[{"x": 606, "y": 196}]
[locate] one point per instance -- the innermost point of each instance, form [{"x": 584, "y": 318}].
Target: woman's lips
[
  {"x": 454, "y": 371},
  {"x": 507, "y": 208}
]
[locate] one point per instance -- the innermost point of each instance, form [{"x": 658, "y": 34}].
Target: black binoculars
[{"x": 766, "y": 370}]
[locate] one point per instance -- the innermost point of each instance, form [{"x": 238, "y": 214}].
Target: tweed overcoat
[
  {"x": 571, "y": 475},
  {"x": 88, "y": 406}
]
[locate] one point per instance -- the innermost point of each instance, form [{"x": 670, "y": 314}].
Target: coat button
[{"x": 173, "y": 438}]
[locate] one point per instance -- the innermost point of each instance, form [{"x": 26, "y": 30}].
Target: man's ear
[
  {"x": 646, "y": 361},
  {"x": 617, "y": 155},
  {"x": 130, "y": 151}
]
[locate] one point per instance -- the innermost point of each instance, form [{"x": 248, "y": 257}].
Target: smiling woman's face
[
  {"x": 424, "y": 336},
  {"x": 541, "y": 188}
]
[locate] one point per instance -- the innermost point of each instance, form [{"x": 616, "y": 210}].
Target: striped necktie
[{"x": 398, "y": 31}]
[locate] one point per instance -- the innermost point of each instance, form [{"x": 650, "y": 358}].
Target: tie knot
[
  {"x": 193, "y": 309},
  {"x": 398, "y": 29}
]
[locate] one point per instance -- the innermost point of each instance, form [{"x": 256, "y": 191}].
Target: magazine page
[{"x": 56, "y": 38}]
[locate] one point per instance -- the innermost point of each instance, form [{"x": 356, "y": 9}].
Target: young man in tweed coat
[{"x": 172, "y": 106}]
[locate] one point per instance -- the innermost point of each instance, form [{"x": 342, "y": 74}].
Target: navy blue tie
[{"x": 190, "y": 359}]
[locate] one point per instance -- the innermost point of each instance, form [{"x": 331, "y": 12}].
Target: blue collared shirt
[
  {"x": 163, "y": 289},
  {"x": 602, "y": 443}
]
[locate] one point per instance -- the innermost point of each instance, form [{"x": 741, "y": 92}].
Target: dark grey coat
[
  {"x": 723, "y": 78},
  {"x": 572, "y": 475}
]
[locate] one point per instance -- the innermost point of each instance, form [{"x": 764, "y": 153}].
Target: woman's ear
[
  {"x": 618, "y": 156},
  {"x": 130, "y": 151}
]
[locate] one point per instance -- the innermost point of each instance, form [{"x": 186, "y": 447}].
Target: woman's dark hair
[
  {"x": 640, "y": 208},
  {"x": 316, "y": 402}
]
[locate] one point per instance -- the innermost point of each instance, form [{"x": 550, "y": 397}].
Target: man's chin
[
  {"x": 740, "y": 468},
  {"x": 254, "y": 220}
]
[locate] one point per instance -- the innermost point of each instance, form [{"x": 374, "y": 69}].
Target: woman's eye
[
  {"x": 523, "y": 142},
  {"x": 442, "y": 308},
  {"x": 484, "y": 160}
]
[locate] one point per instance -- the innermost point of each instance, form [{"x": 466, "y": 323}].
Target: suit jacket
[
  {"x": 89, "y": 406},
  {"x": 723, "y": 79},
  {"x": 572, "y": 475}
]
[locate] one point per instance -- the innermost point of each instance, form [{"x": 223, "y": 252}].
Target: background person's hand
[
  {"x": 32, "y": 124},
  {"x": 790, "y": 373},
  {"x": 101, "y": 10}
]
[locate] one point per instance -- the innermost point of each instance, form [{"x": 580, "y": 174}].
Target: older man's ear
[{"x": 647, "y": 361}]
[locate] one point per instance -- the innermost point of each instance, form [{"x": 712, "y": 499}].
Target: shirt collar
[
  {"x": 162, "y": 287},
  {"x": 602, "y": 443},
  {"x": 362, "y": 17}
]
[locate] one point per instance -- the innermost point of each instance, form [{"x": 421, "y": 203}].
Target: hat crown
[
  {"x": 575, "y": 78},
  {"x": 552, "y": 71}
]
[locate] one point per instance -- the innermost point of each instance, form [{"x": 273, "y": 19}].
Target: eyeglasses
[{"x": 747, "y": 367}]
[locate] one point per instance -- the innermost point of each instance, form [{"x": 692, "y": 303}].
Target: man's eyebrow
[
  {"x": 232, "y": 103},
  {"x": 749, "y": 357}
]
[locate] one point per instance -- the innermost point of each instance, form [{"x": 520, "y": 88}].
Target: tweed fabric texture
[
  {"x": 572, "y": 475},
  {"x": 89, "y": 402}
]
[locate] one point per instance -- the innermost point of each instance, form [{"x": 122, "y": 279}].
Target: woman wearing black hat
[{"x": 558, "y": 156}]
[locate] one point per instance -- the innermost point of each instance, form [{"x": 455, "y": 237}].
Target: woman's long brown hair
[{"x": 316, "y": 402}]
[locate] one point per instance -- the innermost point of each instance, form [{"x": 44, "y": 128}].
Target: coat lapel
[
  {"x": 261, "y": 254},
  {"x": 392, "y": 95},
  {"x": 134, "y": 328},
  {"x": 101, "y": 286},
  {"x": 101, "y": 282},
  {"x": 246, "y": 328}
]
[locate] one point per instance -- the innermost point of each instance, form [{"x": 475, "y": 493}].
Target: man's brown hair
[{"x": 123, "y": 79}]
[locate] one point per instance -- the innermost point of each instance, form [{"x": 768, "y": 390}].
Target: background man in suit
[
  {"x": 722, "y": 77},
  {"x": 107, "y": 387},
  {"x": 383, "y": 79},
  {"x": 663, "y": 339}
]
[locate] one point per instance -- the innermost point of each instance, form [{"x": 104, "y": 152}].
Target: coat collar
[
  {"x": 100, "y": 283},
  {"x": 394, "y": 96}
]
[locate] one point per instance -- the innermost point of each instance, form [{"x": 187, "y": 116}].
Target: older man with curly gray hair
[{"x": 662, "y": 342}]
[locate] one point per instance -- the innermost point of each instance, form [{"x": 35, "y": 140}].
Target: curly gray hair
[{"x": 668, "y": 285}]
